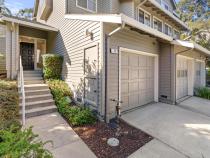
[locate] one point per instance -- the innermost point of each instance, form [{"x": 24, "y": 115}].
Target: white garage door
[
  {"x": 137, "y": 80},
  {"x": 197, "y": 74},
  {"x": 182, "y": 77}
]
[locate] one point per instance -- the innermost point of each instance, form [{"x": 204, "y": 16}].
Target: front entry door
[
  {"x": 27, "y": 54},
  {"x": 91, "y": 76}
]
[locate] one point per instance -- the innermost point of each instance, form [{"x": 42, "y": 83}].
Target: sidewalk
[{"x": 66, "y": 143}]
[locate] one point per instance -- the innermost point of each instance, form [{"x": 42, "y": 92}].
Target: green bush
[
  {"x": 203, "y": 92},
  {"x": 74, "y": 114},
  {"x": 59, "y": 89},
  {"x": 16, "y": 143},
  {"x": 52, "y": 66},
  {"x": 9, "y": 104}
]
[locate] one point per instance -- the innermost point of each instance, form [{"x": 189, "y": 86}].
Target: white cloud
[{"x": 14, "y": 7}]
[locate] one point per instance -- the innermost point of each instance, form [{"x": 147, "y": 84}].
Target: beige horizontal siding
[{"x": 71, "y": 41}]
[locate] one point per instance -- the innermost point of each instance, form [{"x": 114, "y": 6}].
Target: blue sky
[{"x": 16, "y": 5}]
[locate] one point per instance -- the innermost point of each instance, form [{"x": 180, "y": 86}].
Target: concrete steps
[{"x": 38, "y": 98}]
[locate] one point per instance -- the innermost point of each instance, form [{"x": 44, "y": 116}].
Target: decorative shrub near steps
[
  {"x": 14, "y": 141},
  {"x": 75, "y": 115},
  {"x": 52, "y": 66}
]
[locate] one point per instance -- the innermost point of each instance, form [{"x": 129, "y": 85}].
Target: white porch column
[{"x": 8, "y": 49}]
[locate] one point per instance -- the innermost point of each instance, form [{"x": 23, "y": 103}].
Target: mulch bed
[{"x": 96, "y": 136}]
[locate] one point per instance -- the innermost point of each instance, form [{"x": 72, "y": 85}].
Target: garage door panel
[
  {"x": 133, "y": 100},
  {"x": 150, "y": 62},
  {"x": 133, "y": 87},
  {"x": 143, "y": 73},
  {"x": 142, "y": 84},
  {"x": 125, "y": 74},
  {"x": 124, "y": 59},
  {"x": 124, "y": 87},
  {"x": 133, "y": 60},
  {"x": 150, "y": 73},
  {"x": 125, "y": 103},
  {"x": 133, "y": 73},
  {"x": 142, "y": 61}
]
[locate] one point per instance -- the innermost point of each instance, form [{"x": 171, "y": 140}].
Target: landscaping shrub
[
  {"x": 59, "y": 89},
  {"x": 74, "y": 114},
  {"x": 9, "y": 108},
  {"x": 52, "y": 66},
  {"x": 203, "y": 92},
  {"x": 16, "y": 144}
]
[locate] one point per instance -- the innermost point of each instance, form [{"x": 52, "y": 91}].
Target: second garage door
[
  {"x": 137, "y": 80},
  {"x": 182, "y": 77}
]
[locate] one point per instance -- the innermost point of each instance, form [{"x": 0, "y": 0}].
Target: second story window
[
  {"x": 168, "y": 30},
  {"x": 176, "y": 34},
  {"x": 157, "y": 24},
  {"x": 90, "y": 5},
  {"x": 144, "y": 17}
]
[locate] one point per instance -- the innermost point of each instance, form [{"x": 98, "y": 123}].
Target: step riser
[
  {"x": 34, "y": 82},
  {"x": 32, "y": 72},
  {"x": 33, "y": 79},
  {"x": 37, "y": 93},
  {"x": 28, "y": 107},
  {"x": 32, "y": 75},
  {"x": 38, "y": 113},
  {"x": 35, "y": 88},
  {"x": 37, "y": 99}
]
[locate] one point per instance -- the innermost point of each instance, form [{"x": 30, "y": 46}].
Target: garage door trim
[{"x": 156, "y": 70}]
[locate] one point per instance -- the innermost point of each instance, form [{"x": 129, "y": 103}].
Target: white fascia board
[
  {"x": 119, "y": 19},
  {"x": 192, "y": 45},
  {"x": 132, "y": 22},
  {"x": 110, "y": 18},
  {"x": 154, "y": 2},
  {"x": 29, "y": 24},
  {"x": 183, "y": 43},
  {"x": 202, "y": 49}
]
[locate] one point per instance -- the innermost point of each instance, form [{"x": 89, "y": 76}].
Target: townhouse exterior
[{"x": 115, "y": 51}]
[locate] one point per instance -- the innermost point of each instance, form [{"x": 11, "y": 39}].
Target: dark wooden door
[{"x": 27, "y": 54}]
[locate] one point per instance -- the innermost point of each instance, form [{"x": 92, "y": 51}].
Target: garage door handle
[{"x": 95, "y": 91}]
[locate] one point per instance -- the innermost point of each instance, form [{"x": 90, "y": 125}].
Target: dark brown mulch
[{"x": 96, "y": 136}]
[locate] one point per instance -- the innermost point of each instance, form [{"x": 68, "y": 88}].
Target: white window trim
[
  {"x": 139, "y": 8},
  {"x": 155, "y": 18},
  {"x": 172, "y": 30},
  {"x": 86, "y": 9}
]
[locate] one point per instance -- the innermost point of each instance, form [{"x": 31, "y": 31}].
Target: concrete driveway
[
  {"x": 177, "y": 131},
  {"x": 197, "y": 105}
]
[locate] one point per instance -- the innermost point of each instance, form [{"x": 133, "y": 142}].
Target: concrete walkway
[
  {"x": 156, "y": 149},
  {"x": 197, "y": 104},
  {"x": 66, "y": 143},
  {"x": 180, "y": 130}
]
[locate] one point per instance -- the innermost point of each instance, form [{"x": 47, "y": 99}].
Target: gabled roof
[{"x": 28, "y": 23}]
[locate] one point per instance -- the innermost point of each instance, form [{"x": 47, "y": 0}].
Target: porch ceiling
[{"x": 28, "y": 23}]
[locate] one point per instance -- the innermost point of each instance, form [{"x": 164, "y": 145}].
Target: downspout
[
  {"x": 176, "y": 69},
  {"x": 107, "y": 37}
]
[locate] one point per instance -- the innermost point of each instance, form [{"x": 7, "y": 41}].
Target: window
[
  {"x": 157, "y": 24},
  {"x": 144, "y": 17},
  {"x": 168, "y": 30},
  {"x": 176, "y": 34},
  {"x": 165, "y": 5},
  {"x": 90, "y": 5}
]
